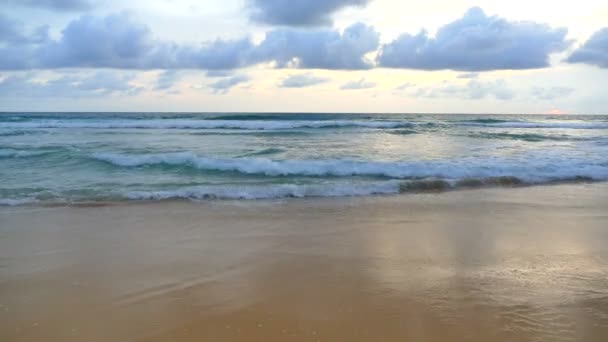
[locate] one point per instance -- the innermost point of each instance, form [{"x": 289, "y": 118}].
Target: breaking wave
[{"x": 535, "y": 170}]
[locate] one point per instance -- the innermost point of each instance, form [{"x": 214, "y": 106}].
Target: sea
[{"x": 63, "y": 158}]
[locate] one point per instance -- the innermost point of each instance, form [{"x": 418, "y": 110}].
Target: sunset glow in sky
[{"x": 304, "y": 56}]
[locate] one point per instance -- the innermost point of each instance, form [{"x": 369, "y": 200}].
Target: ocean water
[{"x": 84, "y": 157}]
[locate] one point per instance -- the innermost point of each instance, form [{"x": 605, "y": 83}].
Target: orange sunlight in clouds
[{"x": 556, "y": 112}]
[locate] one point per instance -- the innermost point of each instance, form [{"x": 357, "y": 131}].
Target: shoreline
[{"x": 525, "y": 264}]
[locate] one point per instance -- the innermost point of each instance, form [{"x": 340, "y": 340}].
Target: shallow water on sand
[{"x": 526, "y": 264}]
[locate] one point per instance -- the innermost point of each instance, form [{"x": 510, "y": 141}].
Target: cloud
[
  {"x": 167, "y": 79},
  {"x": 224, "y": 85},
  {"x": 13, "y": 32},
  {"x": 118, "y": 41},
  {"x": 472, "y": 90},
  {"x": 360, "y": 84},
  {"x": 217, "y": 55},
  {"x": 17, "y": 44},
  {"x": 298, "y": 12},
  {"x": 112, "y": 41},
  {"x": 594, "y": 51},
  {"x": 476, "y": 42},
  {"x": 302, "y": 81},
  {"x": 218, "y": 73},
  {"x": 469, "y": 75},
  {"x": 319, "y": 49},
  {"x": 405, "y": 86},
  {"x": 101, "y": 83},
  {"x": 59, "y": 5},
  {"x": 551, "y": 93}
]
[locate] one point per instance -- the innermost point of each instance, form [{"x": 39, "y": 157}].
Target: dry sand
[{"x": 526, "y": 264}]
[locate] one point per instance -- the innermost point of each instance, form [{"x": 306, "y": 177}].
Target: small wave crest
[
  {"x": 403, "y": 132},
  {"x": 11, "y": 153},
  {"x": 264, "y": 152},
  {"x": 205, "y": 124},
  {"x": 273, "y": 191}
]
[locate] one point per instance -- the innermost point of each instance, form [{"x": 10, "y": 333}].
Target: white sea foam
[
  {"x": 202, "y": 124},
  {"x": 531, "y": 168},
  {"x": 251, "y": 192}
]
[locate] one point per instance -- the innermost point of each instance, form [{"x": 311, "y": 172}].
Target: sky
[{"x": 384, "y": 56}]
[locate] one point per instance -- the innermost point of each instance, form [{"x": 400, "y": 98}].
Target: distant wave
[
  {"x": 260, "y": 133},
  {"x": 403, "y": 132},
  {"x": 531, "y": 169},
  {"x": 526, "y": 124},
  {"x": 204, "y": 124},
  {"x": 264, "y": 152},
  {"x": 15, "y": 133},
  {"x": 281, "y": 117},
  {"x": 11, "y": 153},
  {"x": 486, "y": 121},
  {"x": 531, "y": 137}
]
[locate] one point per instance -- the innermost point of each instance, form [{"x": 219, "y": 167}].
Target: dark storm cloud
[
  {"x": 59, "y": 5},
  {"x": 594, "y": 51},
  {"x": 302, "y": 81},
  {"x": 118, "y": 41},
  {"x": 476, "y": 42},
  {"x": 298, "y": 12}
]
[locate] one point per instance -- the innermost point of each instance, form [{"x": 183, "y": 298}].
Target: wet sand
[{"x": 525, "y": 264}]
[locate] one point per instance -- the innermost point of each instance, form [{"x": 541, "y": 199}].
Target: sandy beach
[{"x": 522, "y": 264}]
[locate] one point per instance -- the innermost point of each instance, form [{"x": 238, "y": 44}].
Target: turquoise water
[{"x": 81, "y": 157}]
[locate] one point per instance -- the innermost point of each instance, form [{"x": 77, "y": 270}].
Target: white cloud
[{"x": 476, "y": 42}]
